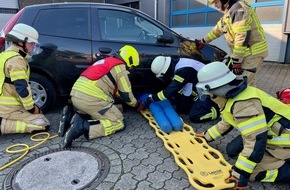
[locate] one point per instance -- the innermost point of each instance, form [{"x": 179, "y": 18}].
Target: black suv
[{"x": 75, "y": 35}]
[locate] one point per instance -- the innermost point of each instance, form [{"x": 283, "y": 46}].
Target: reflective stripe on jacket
[
  {"x": 105, "y": 87},
  {"x": 267, "y": 101},
  {"x": 242, "y": 31},
  {"x": 4, "y": 56},
  {"x": 15, "y": 68}
]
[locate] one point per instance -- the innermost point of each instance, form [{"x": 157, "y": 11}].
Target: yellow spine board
[{"x": 205, "y": 167}]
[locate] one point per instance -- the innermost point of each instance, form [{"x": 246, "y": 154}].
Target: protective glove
[
  {"x": 201, "y": 135},
  {"x": 140, "y": 106},
  {"x": 35, "y": 110},
  {"x": 237, "y": 68},
  {"x": 238, "y": 185},
  {"x": 234, "y": 66},
  {"x": 149, "y": 100},
  {"x": 200, "y": 43}
]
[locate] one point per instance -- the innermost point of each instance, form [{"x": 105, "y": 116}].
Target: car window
[
  {"x": 127, "y": 27},
  {"x": 71, "y": 23}
]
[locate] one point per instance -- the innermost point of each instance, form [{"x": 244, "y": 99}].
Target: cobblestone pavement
[{"x": 137, "y": 156}]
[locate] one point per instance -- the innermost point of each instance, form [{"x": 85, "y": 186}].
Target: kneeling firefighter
[
  {"x": 93, "y": 95},
  {"x": 182, "y": 74},
  {"x": 262, "y": 149},
  {"x": 18, "y": 112}
]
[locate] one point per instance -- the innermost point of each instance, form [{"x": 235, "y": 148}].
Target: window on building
[
  {"x": 191, "y": 13},
  {"x": 8, "y": 11}
]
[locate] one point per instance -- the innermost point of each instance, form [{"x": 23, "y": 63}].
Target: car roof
[
  {"x": 79, "y": 4},
  {"x": 89, "y": 4}
]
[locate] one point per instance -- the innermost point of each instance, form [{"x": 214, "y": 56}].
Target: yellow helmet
[{"x": 130, "y": 55}]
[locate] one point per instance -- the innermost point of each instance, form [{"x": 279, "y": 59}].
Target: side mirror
[{"x": 165, "y": 39}]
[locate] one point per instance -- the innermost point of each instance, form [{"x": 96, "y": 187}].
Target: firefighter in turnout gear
[
  {"x": 262, "y": 149},
  {"x": 244, "y": 35},
  {"x": 18, "y": 112},
  {"x": 93, "y": 96},
  {"x": 182, "y": 74}
]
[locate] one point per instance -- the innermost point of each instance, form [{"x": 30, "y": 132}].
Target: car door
[
  {"x": 65, "y": 42},
  {"x": 116, "y": 27}
]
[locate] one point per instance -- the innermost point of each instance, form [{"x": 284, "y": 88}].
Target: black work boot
[
  {"x": 64, "y": 123},
  {"x": 79, "y": 127}
]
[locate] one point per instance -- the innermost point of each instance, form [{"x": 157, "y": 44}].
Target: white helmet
[
  {"x": 22, "y": 32},
  {"x": 160, "y": 65},
  {"x": 213, "y": 75}
]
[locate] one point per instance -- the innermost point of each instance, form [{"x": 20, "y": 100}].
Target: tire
[{"x": 43, "y": 91}]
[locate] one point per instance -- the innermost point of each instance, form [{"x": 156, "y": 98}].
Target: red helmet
[{"x": 284, "y": 95}]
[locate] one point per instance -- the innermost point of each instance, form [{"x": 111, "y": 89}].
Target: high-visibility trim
[
  {"x": 205, "y": 167},
  {"x": 3, "y": 58},
  {"x": 213, "y": 114},
  {"x": 125, "y": 84},
  {"x": 239, "y": 49},
  {"x": 88, "y": 87},
  {"x": 5, "y": 100},
  {"x": 27, "y": 102},
  {"x": 214, "y": 133},
  {"x": 211, "y": 36},
  {"x": 161, "y": 95},
  {"x": 18, "y": 75},
  {"x": 245, "y": 164},
  {"x": 241, "y": 29},
  {"x": 178, "y": 78},
  {"x": 109, "y": 128},
  {"x": 117, "y": 69},
  {"x": 282, "y": 140},
  {"x": 271, "y": 176},
  {"x": 253, "y": 124},
  {"x": 259, "y": 47},
  {"x": 20, "y": 127}
]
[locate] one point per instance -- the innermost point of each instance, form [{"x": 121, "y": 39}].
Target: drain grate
[{"x": 60, "y": 169}]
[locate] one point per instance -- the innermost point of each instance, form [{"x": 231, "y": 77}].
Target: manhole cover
[{"x": 61, "y": 169}]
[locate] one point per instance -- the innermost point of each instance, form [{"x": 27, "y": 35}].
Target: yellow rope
[{"x": 26, "y": 148}]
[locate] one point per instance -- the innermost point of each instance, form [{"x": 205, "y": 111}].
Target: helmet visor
[
  {"x": 202, "y": 93},
  {"x": 36, "y": 50}
]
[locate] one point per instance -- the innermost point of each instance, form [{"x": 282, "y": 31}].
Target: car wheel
[{"x": 43, "y": 91}]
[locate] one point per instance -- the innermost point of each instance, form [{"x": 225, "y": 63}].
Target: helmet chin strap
[
  {"x": 224, "y": 4},
  {"x": 24, "y": 45}
]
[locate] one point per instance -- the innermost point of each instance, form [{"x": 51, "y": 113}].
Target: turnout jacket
[
  {"x": 105, "y": 79},
  {"x": 262, "y": 120},
  {"x": 184, "y": 79},
  {"x": 15, "y": 90},
  {"x": 242, "y": 31}
]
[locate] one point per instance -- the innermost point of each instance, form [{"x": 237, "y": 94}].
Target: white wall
[
  {"x": 13, "y": 4},
  {"x": 275, "y": 38},
  {"x": 9, "y": 4}
]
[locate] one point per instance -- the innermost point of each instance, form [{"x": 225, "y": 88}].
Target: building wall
[{"x": 7, "y": 9}]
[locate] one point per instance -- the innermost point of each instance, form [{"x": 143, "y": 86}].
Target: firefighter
[
  {"x": 18, "y": 112},
  {"x": 182, "y": 73},
  {"x": 243, "y": 34},
  {"x": 93, "y": 96},
  {"x": 262, "y": 149}
]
